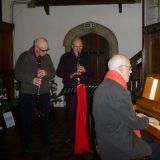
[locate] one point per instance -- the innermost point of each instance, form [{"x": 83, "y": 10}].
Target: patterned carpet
[{"x": 10, "y": 140}]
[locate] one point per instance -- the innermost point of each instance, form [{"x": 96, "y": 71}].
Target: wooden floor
[{"x": 10, "y": 140}]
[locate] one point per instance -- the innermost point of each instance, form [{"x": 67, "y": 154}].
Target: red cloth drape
[
  {"x": 81, "y": 139},
  {"x": 138, "y": 133},
  {"x": 112, "y": 74}
]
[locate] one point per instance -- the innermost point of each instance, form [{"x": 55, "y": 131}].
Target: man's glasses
[
  {"x": 77, "y": 46},
  {"x": 129, "y": 67},
  {"x": 43, "y": 50}
]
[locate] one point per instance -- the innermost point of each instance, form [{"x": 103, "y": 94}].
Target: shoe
[
  {"x": 25, "y": 152},
  {"x": 49, "y": 146}
]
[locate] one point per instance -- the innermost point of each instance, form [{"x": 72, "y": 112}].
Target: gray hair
[{"x": 116, "y": 61}]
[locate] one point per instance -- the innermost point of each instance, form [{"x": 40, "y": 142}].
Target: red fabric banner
[{"x": 81, "y": 139}]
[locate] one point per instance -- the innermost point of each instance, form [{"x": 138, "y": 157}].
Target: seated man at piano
[{"x": 117, "y": 125}]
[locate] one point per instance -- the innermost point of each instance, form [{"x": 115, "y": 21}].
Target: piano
[{"x": 149, "y": 103}]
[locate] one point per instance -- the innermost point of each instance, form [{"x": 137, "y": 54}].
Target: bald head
[
  {"x": 76, "y": 40},
  {"x": 41, "y": 46},
  {"x": 41, "y": 42},
  {"x": 77, "y": 45}
]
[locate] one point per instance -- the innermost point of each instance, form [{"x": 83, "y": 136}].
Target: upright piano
[{"x": 149, "y": 103}]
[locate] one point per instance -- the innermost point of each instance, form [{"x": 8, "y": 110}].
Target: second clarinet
[{"x": 38, "y": 88}]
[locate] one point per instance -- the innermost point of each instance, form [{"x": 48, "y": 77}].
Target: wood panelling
[
  {"x": 0, "y": 10},
  {"x": 151, "y": 56},
  {"x": 6, "y": 57},
  {"x": 81, "y": 2}
]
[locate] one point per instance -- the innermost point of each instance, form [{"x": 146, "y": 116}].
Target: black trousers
[
  {"x": 155, "y": 147},
  {"x": 27, "y": 103},
  {"x": 71, "y": 106}
]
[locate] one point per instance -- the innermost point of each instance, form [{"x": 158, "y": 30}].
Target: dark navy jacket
[{"x": 68, "y": 65}]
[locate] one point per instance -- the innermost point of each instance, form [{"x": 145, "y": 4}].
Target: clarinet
[
  {"x": 77, "y": 80},
  {"x": 38, "y": 88},
  {"x": 38, "y": 93}
]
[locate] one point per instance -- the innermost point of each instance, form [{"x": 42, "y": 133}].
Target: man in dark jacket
[
  {"x": 33, "y": 70},
  {"x": 116, "y": 124},
  {"x": 74, "y": 67}
]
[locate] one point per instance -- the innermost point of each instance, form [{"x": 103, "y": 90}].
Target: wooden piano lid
[
  {"x": 149, "y": 103},
  {"x": 151, "y": 89}
]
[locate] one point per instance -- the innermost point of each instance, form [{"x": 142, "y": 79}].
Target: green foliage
[
  {"x": 55, "y": 98},
  {"x": 5, "y": 104}
]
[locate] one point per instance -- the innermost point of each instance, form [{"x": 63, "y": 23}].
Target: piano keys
[{"x": 149, "y": 103}]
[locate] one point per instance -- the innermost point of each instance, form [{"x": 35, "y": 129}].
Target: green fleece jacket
[{"x": 26, "y": 69}]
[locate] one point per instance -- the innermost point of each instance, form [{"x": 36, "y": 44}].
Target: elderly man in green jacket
[{"x": 34, "y": 69}]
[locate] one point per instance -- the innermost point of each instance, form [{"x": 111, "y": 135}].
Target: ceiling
[{"x": 48, "y": 3}]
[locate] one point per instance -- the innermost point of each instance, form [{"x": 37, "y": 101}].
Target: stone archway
[{"x": 99, "y": 29}]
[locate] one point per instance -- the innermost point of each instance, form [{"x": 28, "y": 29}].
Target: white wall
[
  {"x": 31, "y": 23},
  {"x": 6, "y": 10}
]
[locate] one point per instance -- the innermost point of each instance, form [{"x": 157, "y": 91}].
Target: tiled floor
[{"x": 10, "y": 140}]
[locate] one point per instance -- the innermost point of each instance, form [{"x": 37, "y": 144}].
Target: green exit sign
[{"x": 89, "y": 25}]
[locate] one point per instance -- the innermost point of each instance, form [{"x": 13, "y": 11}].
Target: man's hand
[
  {"x": 81, "y": 69},
  {"x": 37, "y": 81},
  {"x": 74, "y": 75},
  {"x": 153, "y": 121},
  {"x": 41, "y": 73},
  {"x": 141, "y": 115}
]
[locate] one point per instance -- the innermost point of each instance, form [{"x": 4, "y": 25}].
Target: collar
[
  {"x": 37, "y": 58},
  {"x": 114, "y": 75}
]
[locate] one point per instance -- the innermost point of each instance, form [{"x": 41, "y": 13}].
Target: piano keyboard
[{"x": 151, "y": 124}]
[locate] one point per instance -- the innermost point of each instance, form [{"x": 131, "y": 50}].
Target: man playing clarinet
[
  {"x": 74, "y": 68},
  {"x": 33, "y": 70}
]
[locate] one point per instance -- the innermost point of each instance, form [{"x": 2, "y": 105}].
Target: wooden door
[{"x": 97, "y": 48}]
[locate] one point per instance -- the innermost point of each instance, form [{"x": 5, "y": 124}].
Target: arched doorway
[
  {"x": 99, "y": 42},
  {"x": 97, "y": 48}
]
